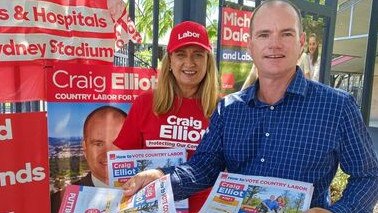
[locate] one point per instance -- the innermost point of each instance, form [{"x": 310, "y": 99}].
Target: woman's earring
[{"x": 170, "y": 69}]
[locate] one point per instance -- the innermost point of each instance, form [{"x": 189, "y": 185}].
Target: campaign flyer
[
  {"x": 235, "y": 193},
  {"x": 157, "y": 196},
  {"x": 124, "y": 164}
]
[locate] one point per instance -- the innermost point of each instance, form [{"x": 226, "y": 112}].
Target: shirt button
[
  {"x": 267, "y": 134},
  {"x": 271, "y": 107},
  {"x": 262, "y": 160}
]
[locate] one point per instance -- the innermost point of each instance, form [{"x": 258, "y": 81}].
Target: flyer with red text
[
  {"x": 157, "y": 196},
  {"x": 235, "y": 193},
  {"x": 124, "y": 164}
]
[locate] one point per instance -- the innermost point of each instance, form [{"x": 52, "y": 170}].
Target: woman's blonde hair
[
  {"x": 167, "y": 88},
  {"x": 251, "y": 78}
]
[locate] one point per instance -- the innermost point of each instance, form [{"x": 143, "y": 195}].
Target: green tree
[
  {"x": 144, "y": 22},
  {"x": 313, "y": 24},
  {"x": 321, "y": 2},
  {"x": 143, "y": 164},
  {"x": 251, "y": 191},
  {"x": 144, "y": 18},
  {"x": 168, "y": 163},
  {"x": 212, "y": 6},
  {"x": 299, "y": 201}
]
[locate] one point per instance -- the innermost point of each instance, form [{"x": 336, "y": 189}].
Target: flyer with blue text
[
  {"x": 235, "y": 193},
  {"x": 124, "y": 164}
]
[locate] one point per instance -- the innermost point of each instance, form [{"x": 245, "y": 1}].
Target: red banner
[
  {"x": 97, "y": 83},
  {"x": 24, "y": 171},
  {"x": 85, "y": 30},
  {"x": 22, "y": 82},
  {"x": 235, "y": 61}
]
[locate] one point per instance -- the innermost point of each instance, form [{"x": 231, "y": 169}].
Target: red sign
[
  {"x": 97, "y": 83},
  {"x": 22, "y": 82},
  {"x": 235, "y": 27},
  {"x": 228, "y": 80},
  {"x": 24, "y": 171}
]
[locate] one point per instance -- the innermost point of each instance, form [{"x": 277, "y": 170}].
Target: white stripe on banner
[
  {"x": 23, "y": 47},
  {"x": 36, "y": 29}
]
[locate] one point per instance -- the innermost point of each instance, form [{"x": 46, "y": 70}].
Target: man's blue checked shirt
[{"x": 302, "y": 137}]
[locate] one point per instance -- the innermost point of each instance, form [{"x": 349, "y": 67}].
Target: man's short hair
[
  {"x": 271, "y": 2},
  {"x": 102, "y": 109}
]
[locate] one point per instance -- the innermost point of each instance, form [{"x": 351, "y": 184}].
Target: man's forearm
[{"x": 186, "y": 181}]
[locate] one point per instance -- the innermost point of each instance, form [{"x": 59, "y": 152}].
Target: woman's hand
[{"x": 134, "y": 184}]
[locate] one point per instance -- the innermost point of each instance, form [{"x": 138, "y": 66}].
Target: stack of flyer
[
  {"x": 235, "y": 193},
  {"x": 155, "y": 197},
  {"x": 124, "y": 164}
]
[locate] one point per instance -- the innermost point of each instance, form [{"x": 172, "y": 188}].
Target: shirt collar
[
  {"x": 98, "y": 183},
  {"x": 298, "y": 86}
]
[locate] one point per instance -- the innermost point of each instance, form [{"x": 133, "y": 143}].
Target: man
[
  {"x": 282, "y": 126},
  {"x": 270, "y": 204},
  {"x": 101, "y": 128}
]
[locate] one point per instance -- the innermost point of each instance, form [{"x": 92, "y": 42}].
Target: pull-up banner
[
  {"x": 24, "y": 170},
  {"x": 74, "y": 91},
  {"x": 85, "y": 30},
  {"x": 235, "y": 61}
]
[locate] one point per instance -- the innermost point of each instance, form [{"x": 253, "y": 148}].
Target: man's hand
[
  {"x": 317, "y": 210},
  {"x": 140, "y": 180}
]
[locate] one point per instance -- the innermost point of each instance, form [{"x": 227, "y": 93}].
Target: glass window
[
  {"x": 361, "y": 17},
  {"x": 374, "y": 97},
  {"x": 342, "y": 21},
  {"x": 350, "y": 44}
]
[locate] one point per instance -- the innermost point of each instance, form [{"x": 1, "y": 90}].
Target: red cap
[{"x": 187, "y": 33}]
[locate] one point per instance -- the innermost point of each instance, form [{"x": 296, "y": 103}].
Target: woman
[
  {"x": 281, "y": 203},
  {"x": 313, "y": 56},
  {"x": 176, "y": 113},
  {"x": 304, "y": 63}
]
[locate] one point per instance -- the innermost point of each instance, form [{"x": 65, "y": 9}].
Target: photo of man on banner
[{"x": 100, "y": 127}]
